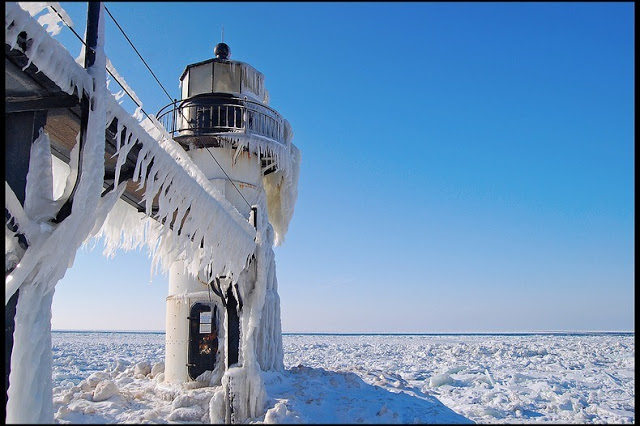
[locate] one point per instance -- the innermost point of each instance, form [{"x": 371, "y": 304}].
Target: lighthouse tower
[{"x": 244, "y": 148}]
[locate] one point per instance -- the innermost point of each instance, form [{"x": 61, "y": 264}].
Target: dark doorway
[
  {"x": 203, "y": 339},
  {"x": 233, "y": 325}
]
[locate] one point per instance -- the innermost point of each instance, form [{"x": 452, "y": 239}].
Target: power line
[
  {"x": 139, "y": 55},
  {"x": 228, "y": 177},
  {"x": 70, "y": 27}
]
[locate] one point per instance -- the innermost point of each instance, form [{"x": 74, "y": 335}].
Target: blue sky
[{"x": 465, "y": 167}]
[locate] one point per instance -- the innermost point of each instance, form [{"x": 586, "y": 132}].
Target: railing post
[
  {"x": 174, "y": 123},
  {"x": 21, "y": 130},
  {"x": 245, "y": 117},
  {"x": 93, "y": 16}
]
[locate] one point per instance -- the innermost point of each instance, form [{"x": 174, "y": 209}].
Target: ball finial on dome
[{"x": 222, "y": 51}]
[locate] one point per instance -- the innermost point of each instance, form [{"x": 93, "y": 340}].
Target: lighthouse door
[{"x": 203, "y": 339}]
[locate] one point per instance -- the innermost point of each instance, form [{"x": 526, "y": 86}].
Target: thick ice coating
[{"x": 213, "y": 237}]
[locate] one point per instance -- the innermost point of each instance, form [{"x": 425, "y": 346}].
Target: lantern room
[{"x": 222, "y": 98}]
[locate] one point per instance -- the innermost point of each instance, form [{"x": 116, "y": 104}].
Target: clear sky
[{"x": 465, "y": 167}]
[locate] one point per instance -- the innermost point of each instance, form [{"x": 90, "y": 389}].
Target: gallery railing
[{"x": 215, "y": 114}]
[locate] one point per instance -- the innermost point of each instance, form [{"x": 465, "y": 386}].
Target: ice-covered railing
[
  {"x": 207, "y": 222},
  {"x": 202, "y": 116},
  {"x": 45, "y": 52},
  {"x": 53, "y": 18},
  {"x": 252, "y": 125},
  {"x": 213, "y": 235}
]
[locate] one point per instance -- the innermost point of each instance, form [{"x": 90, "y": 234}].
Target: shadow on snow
[{"x": 314, "y": 395}]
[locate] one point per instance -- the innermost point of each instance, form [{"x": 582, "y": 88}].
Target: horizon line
[{"x": 383, "y": 333}]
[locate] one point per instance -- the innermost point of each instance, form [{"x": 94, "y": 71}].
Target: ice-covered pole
[
  {"x": 89, "y": 61},
  {"x": 23, "y": 129},
  {"x": 52, "y": 250}
]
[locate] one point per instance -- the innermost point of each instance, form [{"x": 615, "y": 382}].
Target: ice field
[{"x": 117, "y": 377}]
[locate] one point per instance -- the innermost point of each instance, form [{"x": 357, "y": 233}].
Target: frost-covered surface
[
  {"x": 501, "y": 379},
  {"x": 260, "y": 337},
  {"x": 78, "y": 354},
  {"x": 281, "y": 186},
  {"x": 51, "y": 247},
  {"x": 186, "y": 199},
  {"x": 210, "y": 217},
  {"x": 389, "y": 379},
  {"x": 45, "y": 52},
  {"x": 261, "y": 328},
  {"x": 51, "y": 19}
]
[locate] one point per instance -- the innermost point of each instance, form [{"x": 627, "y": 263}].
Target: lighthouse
[{"x": 244, "y": 148}]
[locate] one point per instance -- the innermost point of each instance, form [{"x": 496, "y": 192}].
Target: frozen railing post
[
  {"x": 53, "y": 242},
  {"x": 93, "y": 16},
  {"x": 253, "y": 216},
  {"x": 22, "y": 129},
  {"x": 233, "y": 389}
]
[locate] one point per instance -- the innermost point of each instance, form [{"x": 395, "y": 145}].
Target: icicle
[
  {"x": 65, "y": 16},
  {"x": 39, "y": 203},
  {"x": 34, "y": 8},
  {"x": 207, "y": 209},
  {"x": 123, "y": 83},
  {"x": 51, "y": 21}
]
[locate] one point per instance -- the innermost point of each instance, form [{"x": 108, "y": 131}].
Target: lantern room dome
[{"x": 222, "y": 51}]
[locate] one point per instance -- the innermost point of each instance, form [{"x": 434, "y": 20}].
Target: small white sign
[
  {"x": 205, "y": 317},
  {"x": 205, "y": 328}
]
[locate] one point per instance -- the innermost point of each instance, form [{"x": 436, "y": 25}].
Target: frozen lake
[{"x": 381, "y": 378}]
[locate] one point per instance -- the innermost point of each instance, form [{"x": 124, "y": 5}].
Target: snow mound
[
  {"x": 143, "y": 368},
  {"x": 439, "y": 380},
  {"x": 157, "y": 369},
  {"x": 105, "y": 390}
]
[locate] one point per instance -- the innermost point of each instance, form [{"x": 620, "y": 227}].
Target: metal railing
[{"x": 212, "y": 114}]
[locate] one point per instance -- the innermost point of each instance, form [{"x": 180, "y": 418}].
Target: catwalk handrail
[{"x": 214, "y": 114}]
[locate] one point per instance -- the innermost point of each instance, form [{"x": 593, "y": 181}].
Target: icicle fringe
[
  {"x": 208, "y": 231},
  {"x": 46, "y": 53}
]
